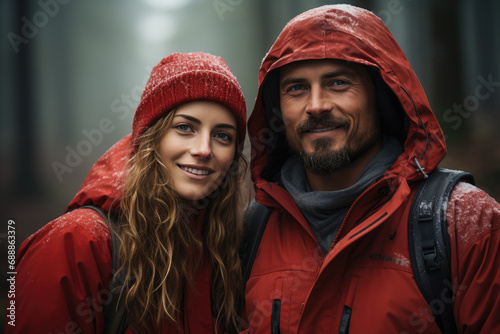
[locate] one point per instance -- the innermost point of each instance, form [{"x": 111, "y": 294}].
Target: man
[{"x": 342, "y": 135}]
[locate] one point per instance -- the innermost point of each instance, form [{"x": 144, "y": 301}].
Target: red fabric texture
[
  {"x": 367, "y": 271},
  {"x": 181, "y": 78}
]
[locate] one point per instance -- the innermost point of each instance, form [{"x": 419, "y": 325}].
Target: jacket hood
[
  {"x": 352, "y": 34},
  {"x": 102, "y": 186}
]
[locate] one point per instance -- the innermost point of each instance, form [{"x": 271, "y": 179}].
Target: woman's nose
[{"x": 202, "y": 147}]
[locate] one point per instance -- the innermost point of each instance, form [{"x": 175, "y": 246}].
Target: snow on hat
[{"x": 185, "y": 77}]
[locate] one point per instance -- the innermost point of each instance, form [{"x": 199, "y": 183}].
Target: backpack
[
  {"x": 115, "y": 313},
  {"x": 428, "y": 241}
]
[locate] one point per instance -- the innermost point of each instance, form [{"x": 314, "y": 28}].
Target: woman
[{"x": 178, "y": 220}]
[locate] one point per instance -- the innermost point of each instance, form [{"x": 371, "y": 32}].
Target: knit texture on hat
[{"x": 185, "y": 77}]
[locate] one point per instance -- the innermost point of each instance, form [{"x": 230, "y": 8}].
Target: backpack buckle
[{"x": 429, "y": 253}]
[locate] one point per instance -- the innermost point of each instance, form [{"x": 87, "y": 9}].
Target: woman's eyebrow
[
  {"x": 226, "y": 126},
  {"x": 189, "y": 118},
  {"x": 197, "y": 121}
]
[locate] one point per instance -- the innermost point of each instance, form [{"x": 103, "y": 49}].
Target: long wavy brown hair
[{"x": 162, "y": 248}]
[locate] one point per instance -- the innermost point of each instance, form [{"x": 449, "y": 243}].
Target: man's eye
[
  {"x": 338, "y": 83},
  {"x": 296, "y": 88}
]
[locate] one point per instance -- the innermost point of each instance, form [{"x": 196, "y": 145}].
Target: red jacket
[
  {"x": 64, "y": 269},
  {"x": 366, "y": 277}
]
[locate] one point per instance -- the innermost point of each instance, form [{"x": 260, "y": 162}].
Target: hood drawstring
[{"x": 420, "y": 168}]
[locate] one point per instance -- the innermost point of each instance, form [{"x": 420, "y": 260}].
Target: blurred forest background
[{"x": 70, "y": 68}]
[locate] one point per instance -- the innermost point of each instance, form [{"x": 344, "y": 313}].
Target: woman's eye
[
  {"x": 183, "y": 127},
  {"x": 223, "y": 136}
]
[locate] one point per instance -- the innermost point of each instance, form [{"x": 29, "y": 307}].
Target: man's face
[{"x": 329, "y": 112}]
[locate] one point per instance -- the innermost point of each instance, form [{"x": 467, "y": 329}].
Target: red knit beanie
[{"x": 185, "y": 77}]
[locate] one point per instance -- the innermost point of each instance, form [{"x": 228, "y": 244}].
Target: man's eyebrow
[
  {"x": 338, "y": 73},
  {"x": 294, "y": 80},
  {"x": 291, "y": 80},
  {"x": 197, "y": 121}
]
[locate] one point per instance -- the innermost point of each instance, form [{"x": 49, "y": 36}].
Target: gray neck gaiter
[{"x": 325, "y": 210}]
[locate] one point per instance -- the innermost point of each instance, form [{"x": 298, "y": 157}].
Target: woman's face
[{"x": 198, "y": 148}]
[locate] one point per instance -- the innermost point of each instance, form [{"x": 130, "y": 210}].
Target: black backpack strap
[
  {"x": 255, "y": 222},
  {"x": 429, "y": 243},
  {"x": 115, "y": 313}
]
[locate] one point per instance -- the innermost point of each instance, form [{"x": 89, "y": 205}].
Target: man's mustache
[{"x": 325, "y": 121}]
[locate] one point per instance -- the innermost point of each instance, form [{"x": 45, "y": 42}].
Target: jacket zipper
[
  {"x": 345, "y": 320},
  {"x": 346, "y": 218},
  {"x": 275, "y": 316}
]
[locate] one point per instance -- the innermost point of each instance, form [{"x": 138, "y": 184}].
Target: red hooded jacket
[
  {"x": 64, "y": 269},
  {"x": 365, "y": 283}
]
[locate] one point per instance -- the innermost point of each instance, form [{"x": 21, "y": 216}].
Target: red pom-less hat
[{"x": 185, "y": 77}]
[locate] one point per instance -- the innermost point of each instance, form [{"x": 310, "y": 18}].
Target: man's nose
[{"x": 318, "y": 102}]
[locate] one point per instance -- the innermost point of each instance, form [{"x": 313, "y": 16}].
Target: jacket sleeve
[
  {"x": 63, "y": 272},
  {"x": 474, "y": 228}
]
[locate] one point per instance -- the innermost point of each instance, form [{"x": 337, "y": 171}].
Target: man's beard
[{"x": 324, "y": 162}]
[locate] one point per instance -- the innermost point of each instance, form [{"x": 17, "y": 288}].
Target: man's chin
[
  {"x": 324, "y": 151},
  {"x": 325, "y": 162}
]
